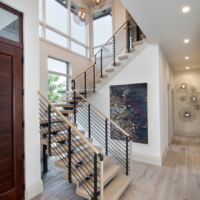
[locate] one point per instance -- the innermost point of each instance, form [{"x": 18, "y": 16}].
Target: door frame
[{"x": 21, "y": 46}]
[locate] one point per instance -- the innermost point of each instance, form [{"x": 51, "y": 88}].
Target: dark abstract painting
[{"x": 128, "y": 109}]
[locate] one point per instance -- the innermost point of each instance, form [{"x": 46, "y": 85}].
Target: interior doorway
[{"x": 11, "y": 104}]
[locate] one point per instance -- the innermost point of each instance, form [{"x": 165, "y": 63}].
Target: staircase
[{"x": 101, "y": 171}]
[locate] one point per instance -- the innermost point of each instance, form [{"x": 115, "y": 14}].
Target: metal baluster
[
  {"x": 85, "y": 85},
  {"x": 114, "y": 50},
  {"x": 95, "y": 176},
  {"x": 89, "y": 130},
  {"x": 101, "y": 64},
  {"x": 49, "y": 129},
  {"x": 128, "y": 36},
  {"x": 127, "y": 155},
  {"x": 94, "y": 77},
  {"x": 45, "y": 163},
  {"x": 106, "y": 130},
  {"x": 138, "y": 33},
  {"x": 74, "y": 106},
  {"x": 69, "y": 153}
]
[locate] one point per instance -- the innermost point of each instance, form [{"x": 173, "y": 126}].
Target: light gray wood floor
[{"x": 177, "y": 179}]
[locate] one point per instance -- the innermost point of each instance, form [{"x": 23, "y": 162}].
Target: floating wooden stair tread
[
  {"x": 97, "y": 79},
  {"x": 44, "y": 120},
  {"x": 109, "y": 172},
  {"x": 103, "y": 75},
  {"x": 55, "y": 128},
  {"x": 77, "y": 157},
  {"x": 130, "y": 50},
  {"x": 69, "y": 101},
  {"x": 66, "y": 105},
  {"x": 64, "y": 111},
  {"x": 85, "y": 170},
  {"x": 60, "y": 137},
  {"x": 71, "y": 96},
  {"x": 116, "y": 188},
  {"x": 116, "y": 64},
  {"x": 138, "y": 42},
  {"x": 109, "y": 69},
  {"x": 122, "y": 57},
  {"x": 63, "y": 148}
]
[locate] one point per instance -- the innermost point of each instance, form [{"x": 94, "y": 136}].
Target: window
[
  {"x": 77, "y": 32},
  {"x": 56, "y": 15},
  {"x": 10, "y": 25},
  {"x": 58, "y": 79},
  {"x": 41, "y": 17},
  {"x": 102, "y": 27},
  {"x": 56, "y": 38},
  {"x": 40, "y": 30},
  {"x": 78, "y": 48}
]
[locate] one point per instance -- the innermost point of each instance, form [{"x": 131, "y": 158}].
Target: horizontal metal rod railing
[
  {"x": 69, "y": 123},
  {"x": 125, "y": 133}
]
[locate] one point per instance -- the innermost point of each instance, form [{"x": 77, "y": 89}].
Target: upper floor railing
[{"x": 122, "y": 40}]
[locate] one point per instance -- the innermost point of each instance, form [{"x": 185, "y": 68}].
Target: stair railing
[
  {"x": 123, "y": 39},
  {"x": 115, "y": 141},
  {"x": 70, "y": 147}
]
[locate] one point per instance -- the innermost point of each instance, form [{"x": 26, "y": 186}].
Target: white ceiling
[{"x": 163, "y": 21}]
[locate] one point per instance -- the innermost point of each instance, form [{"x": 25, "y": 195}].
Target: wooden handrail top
[
  {"x": 69, "y": 123},
  {"x": 125, "y": 133}
]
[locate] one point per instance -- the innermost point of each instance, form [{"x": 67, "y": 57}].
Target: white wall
[
  {"x": 179, "y": 125},
  {"x": 77, "y": 63},
  {"x": 144, "y": 68},
  {"x": 31, "y": 85},
  {"x": 165, "y": 92},
  {"x": 119, "y": 14}
]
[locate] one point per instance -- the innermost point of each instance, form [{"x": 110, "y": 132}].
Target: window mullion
[
  {"x": 44, "y": 18},
  {"x": 69, "y": 22}
]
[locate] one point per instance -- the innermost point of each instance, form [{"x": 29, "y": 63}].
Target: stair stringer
[{"x": 117, "y": 69}]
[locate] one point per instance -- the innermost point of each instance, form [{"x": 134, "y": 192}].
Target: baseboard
[
  {"x": 187, "y": 133},
  {"x": 34, "y": 190},
  {"x": 164, "y": 153},
  {"x": 147, "y": 159}
]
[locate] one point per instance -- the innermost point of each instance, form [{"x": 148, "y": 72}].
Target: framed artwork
[{"x": 128, "y": 109}]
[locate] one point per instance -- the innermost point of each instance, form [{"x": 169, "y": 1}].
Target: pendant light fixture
[
  {"x": 81, "y": 16},
  {"x": 96, "y": 4}
]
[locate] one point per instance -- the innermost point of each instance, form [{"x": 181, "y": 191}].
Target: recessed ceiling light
[
  {"x": 186, "y": 40},
  {"x": 186, "y": 58},
  {"x": 185, "y": 9},
  {"x": 187, "y": 67}
]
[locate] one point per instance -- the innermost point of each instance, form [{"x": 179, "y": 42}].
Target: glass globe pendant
[
  {"x": 97, "y": 4},
  {"x": 81, "y": 16}
]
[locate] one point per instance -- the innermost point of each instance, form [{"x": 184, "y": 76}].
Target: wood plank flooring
[{"x": 177, "y": 179}]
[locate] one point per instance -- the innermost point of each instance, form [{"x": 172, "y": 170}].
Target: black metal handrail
[
  {"x": 69, "y": 148},
  {"x": 123, "y": 39},
  {"x": 105, "y": 131}
]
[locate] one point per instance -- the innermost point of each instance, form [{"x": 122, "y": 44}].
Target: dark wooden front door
[{"x": 11, "y": 118}]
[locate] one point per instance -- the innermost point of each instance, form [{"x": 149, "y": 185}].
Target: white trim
[
  {"x": 56, "y": 45},
  {"x": 154, "y": 160},
  {"x": 34, "y": 190},
  {"x": 58, "y": 73}
]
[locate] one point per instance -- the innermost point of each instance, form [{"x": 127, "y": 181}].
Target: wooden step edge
[
  {"x": 116, "y": 188},
  {"x": 59, "y": 119},
  {"x": 110, "y": 171},
  {"x": 103, "y": 75},
  {"x": 109, "y": 70},
  {"x": 131, "y": 50},
  {"x": 116, "y": 64},
  {"x": 59, "y": 152},
  {"x": 66, "y": 105},
  {"x": 61, "y": 164},
  {"x": 138, "y": 42},
  {"x": 122, "y": 57}
]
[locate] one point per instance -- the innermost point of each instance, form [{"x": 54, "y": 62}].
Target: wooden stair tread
[
  {"x": 116, "y": 188},
  {"x": 63, "y": 148},
  {"x": 138, "y": 42},
  {"x": 44, "y": 120},
  {"x": 71, "y": 96},
  {"x": 64, "y": 111},
  {"x": 77, "y": 157},
  {"x": 55, "y": 128},
  {"x": 131, "y": 50},
  {"x": 60, "y": 137},
  {"x": 104, "y": 75},
  {"x": 69, "y": 101},
  {"x": 109, "y": 69},
  {"x": 122, "y": 57},
  {"x": 66, "y": 105},
  {"x": 84, "y": 170},
  {"x": 116, "y": 64},
  {"x": 109, "y": 172}
]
